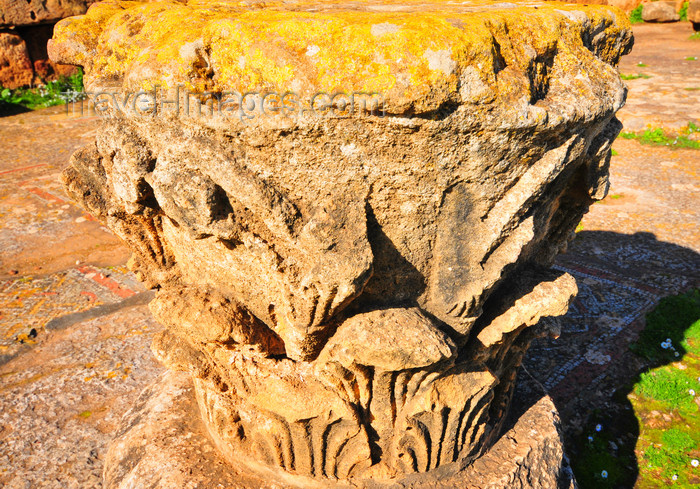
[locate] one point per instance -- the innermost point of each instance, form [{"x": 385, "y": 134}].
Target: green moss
[
  {"x": 614, "y": 153},
  {"x": 666, "y": 453},
  {"x": 691, "y": 58},
  {"x": 596, "y": 467},
  {"x": 677, "y": 441},
  {"x": 56, "y": 92},
  {"x": 695, "y": 36},
  {"x": 683, "y": 12},
  {"x": 636, "y": 16}
]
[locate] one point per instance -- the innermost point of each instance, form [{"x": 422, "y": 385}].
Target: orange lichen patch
[{"x": 412, "y": 52}]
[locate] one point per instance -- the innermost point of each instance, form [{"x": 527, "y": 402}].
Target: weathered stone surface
[
  {"x": 164, "y": 429},
  {"x": 660, "y": 11},
  {"x": 62, "y": 401},
  {"x": 24, "y": 60},
  {"x": 15, "y": 13},
  {"x": 352, "y": 291},
  {"x": 15, "y": 63},
  {"x": 694, "y": 14},
  {"x": 219, "y": 49},
  {"x": 25, "y": 28},
  {"x": 625, "y": 5}
]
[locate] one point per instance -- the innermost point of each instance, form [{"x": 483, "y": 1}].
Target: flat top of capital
[{"x": 414, "y": 52}]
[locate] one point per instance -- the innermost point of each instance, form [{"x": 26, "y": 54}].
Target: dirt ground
[
  {"x": 670, "y": 97},
  {"x": 74, "y": 331}
]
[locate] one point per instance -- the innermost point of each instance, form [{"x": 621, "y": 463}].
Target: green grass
[
  {"x": 691, "y": 58},
  {"x": 634, "y": 77},
  {"x": 683, "y": 12},
  {"x": 636, "y": 16},
  {"x": 670, "y": 456},
  {"x": 658, "y": 137},
  {"x": 664, "y": 398},
  {"x": 670, "y": 387},
  {"x": 651, "y": 438},
  {"x": 614, "y": 153},
  {"x": 642, "y": 65},
  {"x": 53, "y": 93},
  {"x": 604, "y": 456},
  {"x": 675, "y": 318},
  {"x": 695, "y": 36},
  {"x": 594, "y": 466}
]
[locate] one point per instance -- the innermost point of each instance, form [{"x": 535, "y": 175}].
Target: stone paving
[
  {"x": 41, "y": 230},
  {"x": 29, "y": 303},
  {"x": 620, "y": 278},
  {"x": 74, "y": 333},
  {"x": 61, "y": 402},
  {"x": 45, "y": 238}
]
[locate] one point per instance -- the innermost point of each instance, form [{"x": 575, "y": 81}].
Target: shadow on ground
[
  {"x": 591, "y": 369},
  {"x": 7, "y": 109}
]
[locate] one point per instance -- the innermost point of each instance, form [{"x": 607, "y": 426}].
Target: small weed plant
[
  {"x": 659, "y": 137},
  {"x": 636, "y": 15},
  {"x": 634, "y": 77}
]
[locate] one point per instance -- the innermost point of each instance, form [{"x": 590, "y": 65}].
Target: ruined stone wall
[{"x": 25, "y": 29}]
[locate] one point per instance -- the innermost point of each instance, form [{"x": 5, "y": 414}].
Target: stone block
[
  {"x": 660, "y": 11},
  {"x": 15, "y": 64}
]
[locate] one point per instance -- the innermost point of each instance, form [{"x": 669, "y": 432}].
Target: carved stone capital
[{"x": 352, "y": 291}]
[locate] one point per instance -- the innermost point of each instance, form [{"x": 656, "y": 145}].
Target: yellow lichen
[{"x": 419, "y": 48}]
